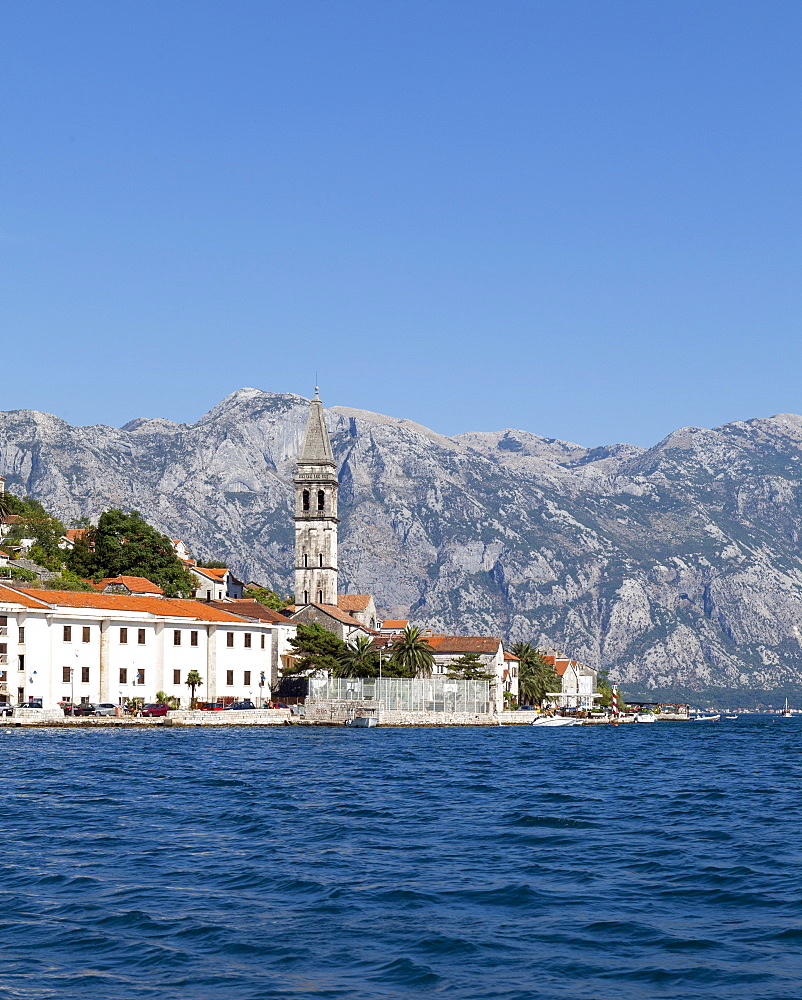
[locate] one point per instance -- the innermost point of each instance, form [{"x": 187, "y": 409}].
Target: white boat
[
  {"x": 645, "y": 717},
  {"x": 364, "y": 718},
  {"x": 730, "y": 716},
  {"x": 786, "y": 712},
  {"x": 707, "y": 718},
  {"x": 556, "y": 720}
]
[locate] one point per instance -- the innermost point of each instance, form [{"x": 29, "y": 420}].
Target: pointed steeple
[{"x": 317, "y": 447}]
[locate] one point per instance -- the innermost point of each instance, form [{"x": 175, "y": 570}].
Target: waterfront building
[{"x": 74, "y": 646}]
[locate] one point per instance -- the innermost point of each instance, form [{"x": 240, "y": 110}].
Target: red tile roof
[
  {"x": 334, "y": 612},
  {"x": 161, "y": 606},
  {"x": 73, "y": 534},
  {"x": 213, "y": 574},
  {"x": 10, "y": 595},
  {"x": 465, "y": 644},
  {"x": 353, "y": 602},
  {"x": 252, "y": 609},
  {"x": 136, "y": 584},
  {"x": 395, "y": 623}
]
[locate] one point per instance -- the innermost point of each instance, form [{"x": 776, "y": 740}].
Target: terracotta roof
[
  {"x": 10, "y": 595},
  {"x": 353, "y": 602},
  {"x": 511, "y": 656},
  {"x": 213, "y": 574},
  {"x": 253, "y": 609},
  {"x": 395, "y": 623},
  {"x": 560, "y": 663},
  {"x": 73, "y": 534},
  {"x": 334, "y": 612},
  {"x": 136, "y": 584},
  {"x": 465, "y": 644},
  {"x": 167, "y": 607}
]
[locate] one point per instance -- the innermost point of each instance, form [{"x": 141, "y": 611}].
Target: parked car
[
  {"x": 280, "y": 704},
  {"x": 105, "y": 708},
  {"x": 240, "y": 706},
  {"x": 6, "y": 709},
  {"x": 154, "y": 710},
  {"x": 84, "y": 709}
]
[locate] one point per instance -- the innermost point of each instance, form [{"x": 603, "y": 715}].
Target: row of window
[
  {"x": 20, "y": 636},
  {"x": 139, "y": 676},
  {"x": 319, "y": 559},
  {"x": 140, "y": 637}
]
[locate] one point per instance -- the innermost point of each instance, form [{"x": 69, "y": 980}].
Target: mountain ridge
[{"x": 676, "y": 567}]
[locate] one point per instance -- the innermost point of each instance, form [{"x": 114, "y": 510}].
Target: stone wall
[{"x": 250, "y": 717}]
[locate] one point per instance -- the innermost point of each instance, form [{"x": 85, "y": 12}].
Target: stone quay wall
[
  {"x": 330, "y": 712},
  {"x": 247, "y": 717}
]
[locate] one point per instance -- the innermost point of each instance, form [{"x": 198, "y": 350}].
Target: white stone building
[
  {"x": 74, "y": 646},
  {"x": 216, "y": 584}
]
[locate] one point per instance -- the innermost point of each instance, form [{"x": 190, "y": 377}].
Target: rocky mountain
[{"x": 677, "y": 568}]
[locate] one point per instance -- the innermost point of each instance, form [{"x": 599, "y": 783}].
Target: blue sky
[{"x": 577, "y": 218}]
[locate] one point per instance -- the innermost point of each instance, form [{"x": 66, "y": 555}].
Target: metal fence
[{"x": 407, "y": 694}]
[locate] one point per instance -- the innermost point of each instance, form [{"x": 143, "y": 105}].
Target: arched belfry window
[
  {"x": 321, "y": 500},
  {"x": 305, "y": 499},
  {"x": 320, "y": 597},
  {"x": 320, "y": 559},
  {"x": 306, "y": 560},
  {"x": 306, "y": 597}
]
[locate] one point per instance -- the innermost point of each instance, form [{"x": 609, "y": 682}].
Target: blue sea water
[{"x": 612, "y": 863}]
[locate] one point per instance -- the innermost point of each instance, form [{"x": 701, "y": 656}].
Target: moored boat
[
  {"x": 707, "y": 718},
  {"x": 786, "y": 712},
  {"x": 645, "y": 717},
  {"x": 552, "y": 721},
  {"x": 363, "y": 718}
]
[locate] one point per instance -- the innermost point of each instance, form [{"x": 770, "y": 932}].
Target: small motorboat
[
  {"x": 363, "y": 718},
  {"x": 707, "y": 718},
  {"x": 645, "y": 717},
  {"x": 552, "y": 721},
  {"x": 730, "y": 716}
]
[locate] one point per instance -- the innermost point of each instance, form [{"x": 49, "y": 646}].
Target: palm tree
[
  {"x": 535, "y": 676},
  {"x": 359, "y": 659},
  {"x": 412, "y": 653},
  {"x": 5, "y": 506},
  {"x": 194, "y": 680}
]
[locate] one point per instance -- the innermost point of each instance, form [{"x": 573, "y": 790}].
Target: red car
[{"x": 151, "y": 711}]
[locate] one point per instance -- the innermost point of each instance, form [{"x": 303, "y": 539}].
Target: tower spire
[{"x": 316, "y": 513}]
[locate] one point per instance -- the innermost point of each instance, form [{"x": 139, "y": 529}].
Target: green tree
[
  {"x": 124, "y": 543},
  {"x": 412, "y": 655},
  {"x": 605, "y": 688},
  {"x": 469, "y": 667},
  {"x": 213, "y": 564},
  {"x": 35, "y": 522},
  {"x": 535, "y": 676},
  {"x": 194, "y": 680},
  {"x": 359, "y": 659},
  {"x": 316, "y": 649},
  {"x": 269, "y": 598}
]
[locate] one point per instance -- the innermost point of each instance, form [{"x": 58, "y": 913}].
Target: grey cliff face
[{"x": 677, "y": 568}]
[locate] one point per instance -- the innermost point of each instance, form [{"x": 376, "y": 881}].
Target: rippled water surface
[{"x": 630, "y": 862}]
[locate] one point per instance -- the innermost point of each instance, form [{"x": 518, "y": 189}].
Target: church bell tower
[{"x": 316, "y": 514}]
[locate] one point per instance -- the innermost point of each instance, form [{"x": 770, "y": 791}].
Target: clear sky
[{"x": 577, "y": 217}]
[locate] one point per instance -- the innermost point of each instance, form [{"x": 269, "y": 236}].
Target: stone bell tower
[{"x": 316, "y": 514}]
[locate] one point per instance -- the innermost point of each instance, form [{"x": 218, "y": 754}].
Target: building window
[
  {"x": 3, "y": 621},
  {"x": 229, "y": 639},
  {"x": 21, "y": 663},
  {"x": 305, "y": 499},
  {"x": 20, "y": 694},
  {"x": 3, "y": 649},
  {"x": 320, "y": 560},
  {"x": 176, "y": 637},
  {"x": 176, "y": 677},
  {"x": 321, "y": 500},
  {"x": 320, "y": 597},
  {"x": 85, "y": 699},
  {"x": 246, "y": 676},
  {"x": 85, "y": 634},
  {"x": 140, "y": 636},
  {"x": 247, "y": 640},
  {"x": 208, "y": 595},
  {"x": 65, "y": 675},
  {"x": 22, "y": 636},
  {"x": 123, "y": 675},
  {"x": 230, "y": 678},
  {"x": 306, "y": 561},
  {"x": 84, "y": 675},
  {"x": 193, "y": 638},
  {"x": 140, "y": 676},
  {"x": 306, "y": 597},
  {"x": 68, "y": 633},
  {"x": 263, "y": 642},
  {"x": 124, "y": 636}
]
